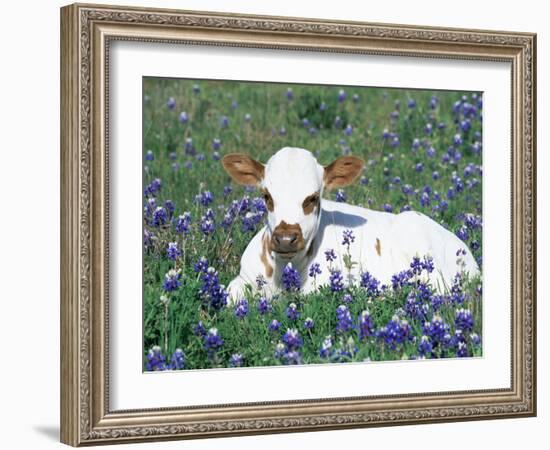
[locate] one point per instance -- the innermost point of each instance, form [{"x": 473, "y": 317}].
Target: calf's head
[{"x": 292, "y": 183}]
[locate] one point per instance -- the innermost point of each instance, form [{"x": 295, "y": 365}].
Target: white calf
[{"x": 301, "y": 226}]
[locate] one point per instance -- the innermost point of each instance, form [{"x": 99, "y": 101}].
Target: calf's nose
[{"x": 287, "y": 238}]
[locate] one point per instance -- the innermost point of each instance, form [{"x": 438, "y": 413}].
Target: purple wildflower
[
  {"x": 366, "y": 325},
  {"x": 172, "y": 280},
  {"x": 336, "y": 281},
  {"x": 241, "y": 308},
  {"x": 236, "y": 360},
  {"x": 291, "y": 278},
  {"x": 345, "y": 321},
  {"x": 292, "y": 312},
  {"x": 173, "y": 252}
]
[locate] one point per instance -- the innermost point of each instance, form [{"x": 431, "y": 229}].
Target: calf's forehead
[{"x": 293, "y": 172}]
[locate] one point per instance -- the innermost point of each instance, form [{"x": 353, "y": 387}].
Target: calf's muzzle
[{"x": 287, "y": 239}]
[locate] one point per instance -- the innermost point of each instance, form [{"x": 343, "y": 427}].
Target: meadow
[{"x": 422, "y": 151}]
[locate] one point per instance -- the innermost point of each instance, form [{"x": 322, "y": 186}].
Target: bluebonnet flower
[
  {"x": 258, "y": 204},
  {"x": 183, "y": 223},
  {"x": 305, "y": 122},
  {"x": 462, "y": 233},
  {"x": 342, "y": 95},
  {"x": 425, "y": 199},
  {"x": 184, "y": 117},
  {"x": 201, "y": 266},
  {"x": 207, "y": 225},
  {"x": 247, "y": 117},
  {"x": 289, "y": 94},
  {"x": 236, "y": 360},
  {"x": 457, "y": 139},
  {"x": 348, "y": 130},
  {"x": 366, "y": 326},
  {"x": 314, "y": 270},
  {"x": 196, "y": 89},
  {"x": 465, "y": 125},
  {"x": 292, "y": 339},
  {"x": 152, "y": 188},
  {"x": 216, "y": 143},
  {"x": 428, "y": 128},
  {"x": 462, "y": 350},
  {"x": 212, "y": 293},
  {"x": 200, "y": 157},
  {"x": 274, "y": 325},
  {"x": 411, "y": 103},
  {"x": 264, "y": 306},
  {"x": 326, "y": 347},
  {"x": 199, "y": 330},
  {"x": 308, "y": 323},
  {"x": 475, "y": 339},
  {"x": 224, "y": 121},
  {"x": 394, "y": 142},
  {"x": 401, "y": 279},
  {"x": 330, "y": 255},
  {"x": 169, "y": 205},
  {"x": 433, "y": 102},
  {"x": 347, "y": 299},
  {"x": 341, "y": 196},
  {"x": 355, "y": 97},
  {"x": 370, "y": 284},
  {"x": 425, "y": 347},
  {"x": 348, "y": 238},
  {"x": 171, "y": 103},
  {"x": 396, "y": 332},
  {"x": 345, "y": 321},
  {"x": 419, "y": 167},
  {"x": 407, "y": 189},
  {"x": 292, "y": 312},
  {"x": 149, "y": 156},
  {"x": 414, "y": 307},
  {"x": 227, "y": 190},
  {"x": 204, "y": 198},
  {"x": 156, "y": 361},
  {"x": 387, "y": 207},
  {"x": 173, "y": 252},
  {"x": 291, "y": 278},
  {"x": 177, "y": 361},
  {"x": 336, "y": 281},
  {"x": 241, "y": 308},
  {"x": 435, "y": 175},
  {"x": 213, "y": 341},
  {"x": 464, "y": 320},
  {"x": 172, "y": 280},
  {"x": 234, "y": 104},
  {"x": 189, "y": 148},
  {"x": 436, "y": 301},
  {"x": 437, "y": 330}
]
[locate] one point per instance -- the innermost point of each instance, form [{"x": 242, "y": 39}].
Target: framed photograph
[{"x": 276, "y": 224}]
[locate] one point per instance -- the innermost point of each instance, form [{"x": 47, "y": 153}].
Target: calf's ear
[
  {"x": 243, "y": 169},
  {"x": 342, "y": 172}
]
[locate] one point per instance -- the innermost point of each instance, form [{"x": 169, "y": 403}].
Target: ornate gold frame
[{"x": 86, "y": 31}]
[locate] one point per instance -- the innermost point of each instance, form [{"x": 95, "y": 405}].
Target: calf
[{"x": 301, "y": 226}]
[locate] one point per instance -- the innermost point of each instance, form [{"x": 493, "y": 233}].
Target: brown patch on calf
[
  {"x": 263, "y": 257},
  {"x": 310, "y": 203},
  {"x": 342, "y": 172},
  {"x": 378, "y": 247},
  {"x": 243, "y": 169},
  {"x": 268, "y": 199}
]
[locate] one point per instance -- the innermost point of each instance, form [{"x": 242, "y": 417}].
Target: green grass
[{"x": 183, "y": 176}]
